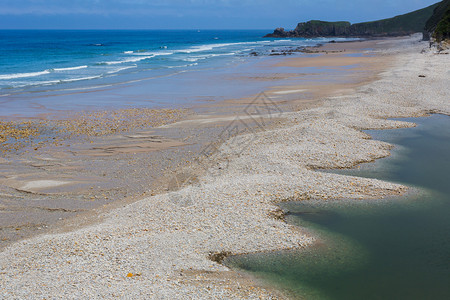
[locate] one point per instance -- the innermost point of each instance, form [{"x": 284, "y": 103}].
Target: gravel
[{"x": 159, "y": 247}]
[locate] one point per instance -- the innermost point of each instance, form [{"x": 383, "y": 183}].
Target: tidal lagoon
[{"x": 396, "y": 248}]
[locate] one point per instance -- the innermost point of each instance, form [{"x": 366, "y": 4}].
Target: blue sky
[{"x": 192, "y": 14}]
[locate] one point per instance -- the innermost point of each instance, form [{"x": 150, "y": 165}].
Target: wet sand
[
  {"x": 203, "y": 202},
  {"x": 67, "y": 164}
]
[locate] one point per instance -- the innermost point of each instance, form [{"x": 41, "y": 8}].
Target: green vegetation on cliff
[
  {"x": 400, "y": 25},
  {"x": 439, "y": 24},
  {"x": 322, "y": 28}
]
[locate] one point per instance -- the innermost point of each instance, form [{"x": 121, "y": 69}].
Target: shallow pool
[{"x": 379, "y": 249}]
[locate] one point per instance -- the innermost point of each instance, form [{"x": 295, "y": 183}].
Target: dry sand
[{"x": 159, "y": 247}]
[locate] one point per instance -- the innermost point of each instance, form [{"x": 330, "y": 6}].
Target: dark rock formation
[
  {"x": 314, "y": 28},
  {"x": 321, "y": 28}
]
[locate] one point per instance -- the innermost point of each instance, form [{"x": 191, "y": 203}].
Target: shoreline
[
  {"x": 277, "y": 166},
  {"x": 390, "y": 231},
  {"x": 101, "y": 142}
]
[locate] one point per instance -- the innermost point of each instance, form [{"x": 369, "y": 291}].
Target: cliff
[
  {"x": 438, "y": 26},
  {"x": 400, "y": 25},
  {"x": 321, "y": 28}
]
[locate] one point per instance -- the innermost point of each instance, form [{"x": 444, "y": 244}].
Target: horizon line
[{"x": 186, "y": 29}]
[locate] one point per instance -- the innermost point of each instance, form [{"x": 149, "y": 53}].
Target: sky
[{"x": 193, "y": 14}]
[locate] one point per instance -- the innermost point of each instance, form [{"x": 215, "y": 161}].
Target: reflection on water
[{"x": 387, "y": 249}]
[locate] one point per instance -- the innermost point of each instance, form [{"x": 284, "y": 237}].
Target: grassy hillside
[
  {"x": 338, "y": 24},
  {"x": 404, "y": 24},
  {"x": 400, "y": 25}
]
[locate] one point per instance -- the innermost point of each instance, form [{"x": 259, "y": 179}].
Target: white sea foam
[
  {"x": 49, "y": 82},
  {"x": 195, "y": 49},
  {"x": 127, "y": 60},
  {"x": 192, "y": 59},
  {"x": 154, "y": 53},
  {"x": 208, "y": 47},
  {"x": 121, "y": 69},
  {"x": 183, "y": 66},
  {"x": 52, "y": 82},
  {"x": 24, "y": 75},
  {"x": 225, "y": 54},
  {"x": 201, "y": 57},
  {"x": 135, "y": 59},
  {"x": 79, "y": 79},
  {"x": 197, "y": 58},
  {"x": 69, "y": 69},
  {"x": 277, "y": 41},
  {"x": 34, "y": 83}
]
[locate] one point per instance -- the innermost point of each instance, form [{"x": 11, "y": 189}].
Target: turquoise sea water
[
  {"x": 177, "y": 65},
  {"x": 395, "y": 248}
]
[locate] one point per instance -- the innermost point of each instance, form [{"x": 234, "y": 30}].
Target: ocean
[{"x": 36, "y": 65}]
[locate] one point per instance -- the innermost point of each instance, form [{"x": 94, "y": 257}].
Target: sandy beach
[
  {"x": 58, "y": 165},
  {"x": 213, "y": 199}
]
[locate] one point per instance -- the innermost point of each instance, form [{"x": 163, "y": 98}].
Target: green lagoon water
[{"x": 395, "y": 248}]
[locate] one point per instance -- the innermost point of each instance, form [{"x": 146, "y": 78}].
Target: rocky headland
[{"x": 401, "y": 25}]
